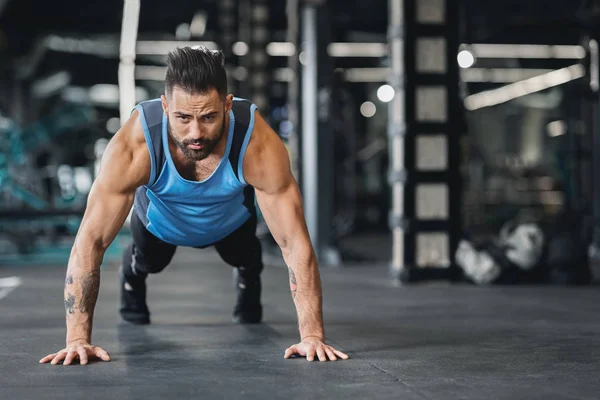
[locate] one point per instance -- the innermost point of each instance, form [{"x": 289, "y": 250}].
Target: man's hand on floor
[
  {"x": 82, "y": 351},
  {"x": 311, "y": 347}
]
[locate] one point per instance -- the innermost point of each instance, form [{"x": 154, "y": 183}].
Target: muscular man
[{"x": 190, "y": 163}]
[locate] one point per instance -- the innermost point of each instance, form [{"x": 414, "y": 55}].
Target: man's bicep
[
  {"x": 105, "y": 214},
  {"x": 125, "y": 164},
  {"x": 267, "y": 161},
  {"x": 283, "y": 213},
  {"x": 267, "y": 168},
  {"x": 122, "y": 170}
]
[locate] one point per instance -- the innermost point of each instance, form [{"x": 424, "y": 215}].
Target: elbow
[
  {"x": 297, "y": 251},
  {"x": 285, "y": 247},
  {"x": 86, "y": 244},
  {"x": 284, "y": 243}
]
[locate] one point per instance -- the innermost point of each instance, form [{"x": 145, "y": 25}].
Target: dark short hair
[{"x": 196, "y": 70}]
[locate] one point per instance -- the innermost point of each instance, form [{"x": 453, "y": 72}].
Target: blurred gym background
[{"x": 448, "y": 139}]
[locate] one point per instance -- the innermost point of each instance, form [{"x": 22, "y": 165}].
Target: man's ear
[
  {"x": 228, "y": 103},
  {"x": 165, "y": 106}
]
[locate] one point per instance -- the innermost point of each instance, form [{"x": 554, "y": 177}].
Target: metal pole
[
  {"x": 244, "y": 33},
  {"x": 259, "y": 74},
  {"x": 328, "y": 253},
  {"x": 293, "y": 64},
  {"x": 397, "y": 129},
  {"x": 309, "y": 121},
  {"x": 129, "y": 31},
  {"x": 595, "y": 89},
  {"x": 227, "y": 37}
]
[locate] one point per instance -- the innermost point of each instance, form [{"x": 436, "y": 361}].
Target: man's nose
[{"x": 195, "y": 132}]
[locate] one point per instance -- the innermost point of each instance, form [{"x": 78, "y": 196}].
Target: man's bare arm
[
  {"x": 125, "y": 166},
  {"x": 267, "y": 168}
]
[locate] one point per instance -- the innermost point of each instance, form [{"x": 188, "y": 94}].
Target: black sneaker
[
  {"x": 248, "y": 309},
  {"x": 133, "y": 298}
]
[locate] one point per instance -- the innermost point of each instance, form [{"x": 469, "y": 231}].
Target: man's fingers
[
  {"x": 322, "y": 351},
  {"x": 83, "y": 353},
  {"x": 70, "y": 357},
  {"x": 102, "y": 354},
  {"x": 321, "y": 354},
  {"x": 59, "y": 357},
  {"x": 83, "y": 356},
  {"x": 310, "y": 354},
  {"x": 330, "y": 353},
  {"x": 340, "y": 354},
  {"x": 47, "y": 358},
  {"x": 290, "y": 352}
]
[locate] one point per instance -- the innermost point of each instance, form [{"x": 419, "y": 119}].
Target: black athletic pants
[{"x": 150, "y": 255}]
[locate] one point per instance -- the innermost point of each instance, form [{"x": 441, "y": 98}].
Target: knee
[
  {"x": 232, "y": 259},
  {"x": 152, "y": 265},
  {"x": 249, "y": 257}
]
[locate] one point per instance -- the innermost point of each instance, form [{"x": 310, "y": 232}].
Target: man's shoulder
[
  {"x": 243, "y": 106},
  {"x": 150, "y": 106},
  {"x": 149, "y": 103},
  {"x": 241, "y": 99},
  {"x": 244, "y": 112},
  {"x": 150, "y": 113}
]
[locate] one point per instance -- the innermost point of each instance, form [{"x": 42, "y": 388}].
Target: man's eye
[
  {"x": 209, "y": 118},
  {"x": 181, "y": 117}
]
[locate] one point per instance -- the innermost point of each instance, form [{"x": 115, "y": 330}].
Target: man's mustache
[{"x": 196, "y": 142}]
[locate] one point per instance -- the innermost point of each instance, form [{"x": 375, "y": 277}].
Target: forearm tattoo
[
  {"x": 70, "y": 303},
  {"x": 293, "y": 286},
  {"x": 89, "y": 292}
]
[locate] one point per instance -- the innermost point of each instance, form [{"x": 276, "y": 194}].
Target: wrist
[
  {"x": 319, "y": 337},
  {"x": 78, "y": 341}
]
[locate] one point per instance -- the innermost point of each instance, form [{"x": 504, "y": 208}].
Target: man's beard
[{"x": 207, "y": 145}]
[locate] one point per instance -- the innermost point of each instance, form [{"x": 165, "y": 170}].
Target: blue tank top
[{"x": 193, "y": 213}]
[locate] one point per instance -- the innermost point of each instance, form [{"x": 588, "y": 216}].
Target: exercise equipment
[{"x": 31, "y": 214}]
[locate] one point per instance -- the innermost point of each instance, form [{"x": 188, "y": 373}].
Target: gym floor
[{"x": 435, "y": 341}]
